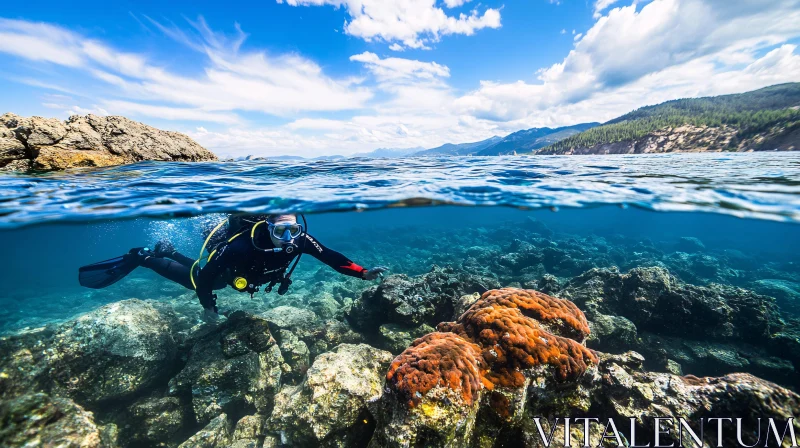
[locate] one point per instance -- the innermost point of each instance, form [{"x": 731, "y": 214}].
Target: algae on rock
[{"x": 330, "y": 406}]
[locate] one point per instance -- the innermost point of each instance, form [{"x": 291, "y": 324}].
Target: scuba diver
[{"x": 255, "y": 251}]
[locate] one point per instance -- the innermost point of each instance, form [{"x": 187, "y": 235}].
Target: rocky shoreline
[{"x": 45, "y": 144}]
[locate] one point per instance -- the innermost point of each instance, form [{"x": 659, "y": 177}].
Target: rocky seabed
[{"x": 427, "y": 360}]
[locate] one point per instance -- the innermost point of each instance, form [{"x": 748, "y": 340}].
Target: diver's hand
[
  {"x": 377, "y": 271},
  {"x": 164, "y": 247}
]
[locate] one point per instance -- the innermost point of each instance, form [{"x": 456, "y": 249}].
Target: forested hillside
[{"x": 752, "y": 120}]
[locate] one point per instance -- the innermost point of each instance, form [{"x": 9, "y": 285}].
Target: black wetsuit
[{"x": 239, "y": 258}]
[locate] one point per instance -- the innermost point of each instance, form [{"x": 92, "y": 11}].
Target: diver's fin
[{"x": 106, "y": 273}]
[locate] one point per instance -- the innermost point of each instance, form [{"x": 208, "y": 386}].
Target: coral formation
[
  {"x": 493, "y": 343},
  {"x": 437, "y": 359}
]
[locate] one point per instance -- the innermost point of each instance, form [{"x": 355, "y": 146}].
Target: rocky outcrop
[
  {"x": 330, "y": 407},
  {"x": 411, "y": 302},
  {"x": 111, "y": 353},
  {"x": 38, "y": 143},
  {"x": 39, "y": 420},
  {"x": 652, "y": 298},
  {"x": 235, "y": 368}
]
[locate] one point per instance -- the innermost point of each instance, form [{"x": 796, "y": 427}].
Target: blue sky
[{"x": 314, "y": 77}]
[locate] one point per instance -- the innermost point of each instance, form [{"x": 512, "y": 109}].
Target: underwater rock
[
  {"x": 464, "y": 302},
  {"x": 39, "y": 420},
  {"x": 216, "y": 434},
  {"x": 625, "y": 390},
  {"x": 234, "y": 368},
  {"x": 302, "y": 322},
  {"x": 81, "y": 141},
  {"x": 295, "y": 356},
  {"x": 709, "y": 358},
  {"x": 318, "y": 335},
  {"x": 412, "y": 301},
  {"x": 330, "y": 407},
  {"x": 786, "y": 293},
  {"x": 111, "y": 353},
  {"x": 23, "y": 366},
  {"x": 155, "y": 422},
  {"x": 485, "y": 361},
  {"x": 689, "y": 244},
  {"x": 325, "y": 306},
  {"x": 652, "y": 298},
  {"x": 249, "y": 432},
  {"x": 396, "y": 338},
  {"x": 611, "y": 333}
]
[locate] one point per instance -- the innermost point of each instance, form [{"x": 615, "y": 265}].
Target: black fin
[{"x": 106, "y": 273}]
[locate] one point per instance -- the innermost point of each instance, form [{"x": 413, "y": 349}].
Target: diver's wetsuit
[{"x": 240, "y": 258}]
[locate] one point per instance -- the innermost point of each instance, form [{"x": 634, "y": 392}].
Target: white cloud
[
  {"x": 596, "y": 81},
  {"x": 632, "y": 56},
  {"x": 602, "y": 5},
  {"x": 399, "y": 69},
  {"x": 232, "y": 79},
  {"x": 611, "y": 64},
  {"x": 455, "y": 3},
  {"x": 168, "y": 113},
  {"x": 563, "y": 31},
  {"x": 414, "y": 23}
]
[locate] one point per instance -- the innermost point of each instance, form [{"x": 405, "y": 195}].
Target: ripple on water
[{"x": 761, "y": 185}]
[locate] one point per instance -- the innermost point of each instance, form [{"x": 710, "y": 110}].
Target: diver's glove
[
  {"x": 377, "y": 271},
  {"x": 140, "y": 254},
  {"x": 164, "y": 248}
]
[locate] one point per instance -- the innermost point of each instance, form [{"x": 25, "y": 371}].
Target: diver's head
[{"x": 283, "y": 230}]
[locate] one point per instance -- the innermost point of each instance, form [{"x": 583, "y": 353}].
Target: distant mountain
[
  {"x": 276, "y": 158},
  {"x": 532, "y": 139},
  {"x": 459, "y": 149},
  {"x": 389, "y": 153},
  {"x": 765, "y": 119}
]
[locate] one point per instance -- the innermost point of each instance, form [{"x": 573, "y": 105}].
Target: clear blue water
[{"x": 744, "y": 204}]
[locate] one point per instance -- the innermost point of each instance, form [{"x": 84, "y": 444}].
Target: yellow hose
[{"x": 203, "y": 249}]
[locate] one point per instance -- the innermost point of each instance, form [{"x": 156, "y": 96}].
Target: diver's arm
[{"x": 336, "y": 260}]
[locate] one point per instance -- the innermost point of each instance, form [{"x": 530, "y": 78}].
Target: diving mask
[{"x": 285, "y": 232}]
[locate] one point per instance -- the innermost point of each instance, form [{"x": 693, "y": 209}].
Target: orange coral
[
  {"x": 562, "y": 317},
  {"x": 437, "y": 359},
  {"x": 499, "y": 336}
]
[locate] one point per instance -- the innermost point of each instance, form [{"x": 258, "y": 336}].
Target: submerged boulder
[
  {"x": 396, "y": 338},
  {"x": 412, "y": 301},
  {"x": 654, "y": 299},
  {"x": 295, "y": 356},
  {"x": 112, "y": 352},
  {"x": 39, "y": 420},
  {"x": 216, "y": 434},
  {"x": 236, "y": 367},
  {"x": 330, "y": 407},
  {"x": 156, "y": 422}
]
